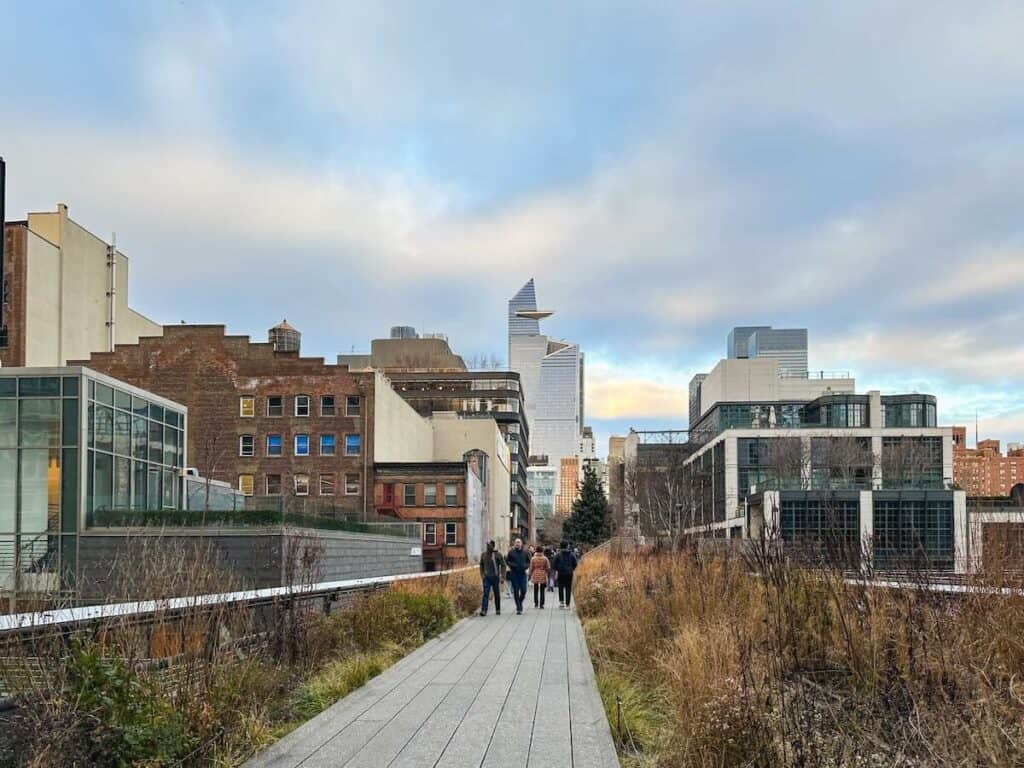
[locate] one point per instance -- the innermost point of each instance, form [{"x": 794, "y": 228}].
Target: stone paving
[{"x": 493, "y": 691}]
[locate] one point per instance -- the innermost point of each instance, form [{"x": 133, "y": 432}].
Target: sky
[{"x": 664, "y": 171}]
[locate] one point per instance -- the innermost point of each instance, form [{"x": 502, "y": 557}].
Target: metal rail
[{"x": 140, "y": 610}]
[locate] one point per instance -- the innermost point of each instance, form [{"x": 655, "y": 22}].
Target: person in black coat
[{"x": 565, "y": 565}]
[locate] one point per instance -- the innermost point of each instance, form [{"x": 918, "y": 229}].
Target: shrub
[{"x": 338, "y": 679}]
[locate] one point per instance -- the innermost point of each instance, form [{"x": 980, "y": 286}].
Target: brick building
[
  {"x": 984, "y": 470},
  {"x": 269, "y": 422},
  {"x": 568, "y": 485},
  {"x": 448, "y": 498}
]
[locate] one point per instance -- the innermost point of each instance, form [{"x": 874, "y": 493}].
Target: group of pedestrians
[{"x": 543, "y": 568}]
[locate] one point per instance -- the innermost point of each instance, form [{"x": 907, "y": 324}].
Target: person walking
[
  {"x": 540, "y": 567},
  {"x": 492, "y": 572},
  {"x": 565, "y": 566},
  {"x": 518, "y": 560},
  {"x": 549, "y": 553}
]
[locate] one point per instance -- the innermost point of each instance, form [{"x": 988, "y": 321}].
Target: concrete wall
[
  {"x": 68, "y": 275},
  {"x": 757, "y": 380},
  {"x": 399, "y": 433},
  {"x": 253, "y": 557}
]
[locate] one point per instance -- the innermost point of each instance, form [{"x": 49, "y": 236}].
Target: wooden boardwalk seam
[{"x": 492, "y": 691}]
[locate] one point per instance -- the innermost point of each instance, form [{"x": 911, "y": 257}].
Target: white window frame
[
  {"x": 281, "y": 452},
  {"x": 453, "y": 530},
  {"x": 405, "y": 502},
  {"x": 333, "y": 436},
  {"x": 360, "y": 451},
  {"x": 349, "y": 409},
  {"x": 275, "y": 415},
  {"x": 358, "y": 484},
  {"x": 266, "y": 484},
  {"x": 299, "y": 399},
  {"x": 334, "y": 405},
  {"x": 455, "y": 495},
  {"x": 243, "y": 400},
  {"x": 295, "y": 444},
  {"x": 430, "y": 533},
  {"x": 252, "y": 445},
  {"x": 333, "y": 481},
  {"x": 426, "y": 497},
  {"x": 295, "y": 484}
]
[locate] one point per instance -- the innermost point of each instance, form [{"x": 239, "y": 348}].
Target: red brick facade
[
  {"x": 984, "y": 471},
  {"x": 15, "y": 263},
  {"x": 231, "y": 385}
]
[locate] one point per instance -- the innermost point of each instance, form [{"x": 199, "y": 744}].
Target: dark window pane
[
  {"x": 170, "y": 417},
  {"x": 169, "y": 492},
  {"x": 170, "y": 445},
  {"x": 140, "y": 438},
  {"x": 8, "y": 423},
  {"x": 70, "y": 386},
  {"x": 8, "y": 387},
  {"x": 156, "y": 412},
  {"x": 102, "y": 480},
  {"x": 122, "y": 433},
  {"x": 39, "y": 425},
  {"x": 156, "y": 443},
  {"x": 104, "y": 394},
  {"x": 8, "y": 490},
  {"x": 140, "y": 406},
  {"x": 70, "y": 425},
  {"x": 122, "y": 400},
  {"x": 69, "y": 491},
  {"x": 47, "y": 386},
  {"x": 153, "y": 489},
  {"x": 139, "y": 485}
]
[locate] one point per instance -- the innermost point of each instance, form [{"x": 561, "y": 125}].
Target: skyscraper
[{"x": 551, "y": 373}]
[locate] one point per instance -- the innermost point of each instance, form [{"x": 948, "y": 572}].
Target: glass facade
[
  {"x": 821, "y": 526},
  {"x": 73, "y": 445},
  {"x": 913, "y": 531}
]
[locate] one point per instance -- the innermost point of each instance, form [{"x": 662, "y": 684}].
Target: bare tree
[
  {"x": 659, "y": 495},
  {"x": 211, "y": 450},
  {"x": 911, "y": 462}
]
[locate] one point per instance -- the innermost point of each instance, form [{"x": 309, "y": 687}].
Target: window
[
  {"x": 301, "y": 485},
  {"x": 273, "y": 445},
  {"x": 409, "y": 495},
  {"x": 450, "y": 535},
  {"x": 327, "y": 405},
  {"x": 326, "y": 485},
  {"x": 352, "y": 485},
  {"x": 430, "y": 495},
  {"x": 353, "y": 445},
  {"x": 302, "y": 445},
  {"x": 275, "y": 405},
  {"x": 449, "y": 494},
  {"x": 326, "y": 445},
  {"x": 430, "y": 533},
  {"x": 246, "y": 445},
  {"x": 302, "y": 405},
  {"x": 245, "y": 484},
  {"x": 247, "y": 407},
  {"x": 273, "y": 485},
  {"x": 353, "y": 405}
]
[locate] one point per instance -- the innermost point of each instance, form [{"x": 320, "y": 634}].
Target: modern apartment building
[
  {"x": 65, "y": 293},
  {"x": 984, "y": 470},
  {"x": 787, "y": 345}
]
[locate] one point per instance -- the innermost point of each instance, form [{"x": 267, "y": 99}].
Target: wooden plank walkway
[{"x": 492, "y": 691}]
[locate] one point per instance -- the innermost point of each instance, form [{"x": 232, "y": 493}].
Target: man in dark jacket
[
  {"x": 518, "y": 560},
  {"x": 492, "y": 572},
  {"x": 565, "y": 565}
]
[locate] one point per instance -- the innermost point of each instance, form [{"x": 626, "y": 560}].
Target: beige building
[{"x": 67, "y": 293}]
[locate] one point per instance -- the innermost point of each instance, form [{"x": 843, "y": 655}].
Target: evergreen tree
[{"x": 591, "y": 519}]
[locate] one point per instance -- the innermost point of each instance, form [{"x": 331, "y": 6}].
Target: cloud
[{"x": 985, "y": 272}]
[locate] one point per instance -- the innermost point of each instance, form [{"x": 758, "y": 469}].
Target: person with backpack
[
  {"x": 565, "y": 566},
  {"x": 492, "y": 572},
  {"x": 540, "y": 567},
  {"x": 518, "y": 560}
]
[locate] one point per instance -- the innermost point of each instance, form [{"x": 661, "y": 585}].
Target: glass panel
[
  {"x": 39, "y": 425},
  {"x": 102, "y": 480},
  {"x": 70, "y": 386},
  {"x": 48, "y": 386},
  {"x": 170, "y": 445},
  {"x": 104, "y": 428},
  {"x": 180, "y": 458},
  {"x": 140, "y": 406},
  {"x": 122, "y": 433},
  {"x": 170, "y": 417},
  {"x": 40, "y": 490},
  {"x": 122, "y": 400},
  {"x": 153, "y": 489},
  {"x": 8, "y": 387},
  {"x": 156, "y": 412},
  {"x": 8, "y": 423},
  {"x": 122, "y": 483},
  {"x": 169, "y": 494},
  {"x": 140, "y": 438},
  {"x": 8, "y": 489},
  {"x": 156, "y": 443},
  {"x": 139, "y": 485},
  {"x": 70, "y": 425},
  {"x": 69, "y": 490},
  {"x": 104, "y": 394}
]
